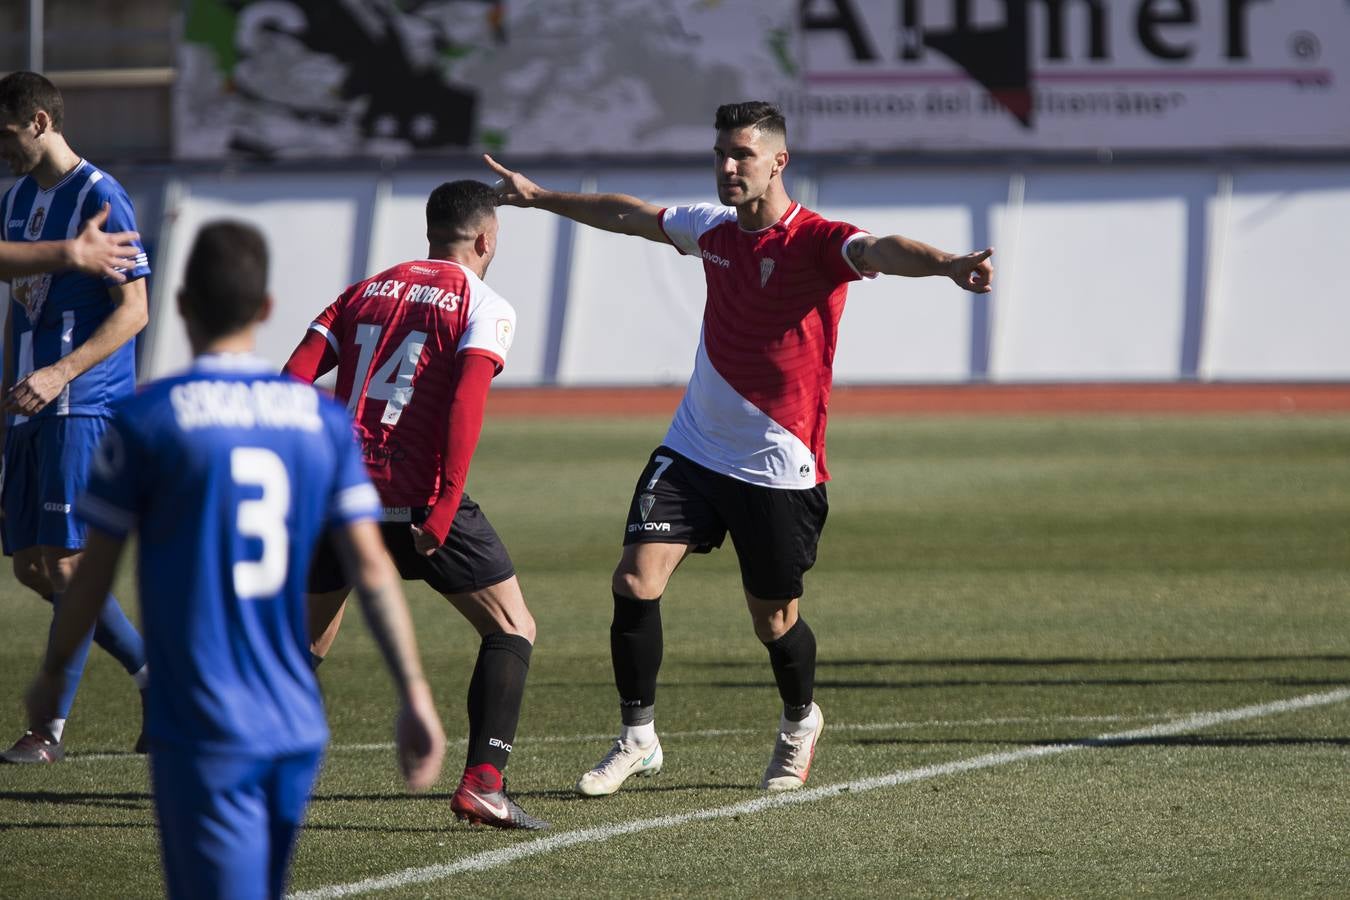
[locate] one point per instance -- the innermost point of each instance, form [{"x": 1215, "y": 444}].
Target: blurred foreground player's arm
[
  {"x": 619, "y": 213},
  {"x": 421, "y": 741}
]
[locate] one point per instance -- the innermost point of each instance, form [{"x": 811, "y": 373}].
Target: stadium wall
[{"x": 1151, "y": 271}]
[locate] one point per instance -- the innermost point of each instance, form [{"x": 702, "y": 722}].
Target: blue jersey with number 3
[{"x": 229, "y": 475}]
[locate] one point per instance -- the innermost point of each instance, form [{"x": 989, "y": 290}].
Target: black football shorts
[
  {"x": 472, "y": 557},
  {"x": 775, "y": 530}
]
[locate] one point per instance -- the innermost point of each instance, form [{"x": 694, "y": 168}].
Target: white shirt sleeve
[
  {"x": 491, "y": 322},
  {"x": 843, "y": 250},
  {"x": 684, "y": 225}
]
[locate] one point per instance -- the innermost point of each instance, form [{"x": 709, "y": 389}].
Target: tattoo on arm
[
  {"x": 855, "y": 250},
  {"x": 374, "y": 596},
  {"x": 387, "y": 618}
]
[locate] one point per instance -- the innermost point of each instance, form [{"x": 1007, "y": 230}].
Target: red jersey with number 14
[{"x": 397, "y": 335}]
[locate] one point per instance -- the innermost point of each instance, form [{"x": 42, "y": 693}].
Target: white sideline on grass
[{"x": 493, "y": 858}]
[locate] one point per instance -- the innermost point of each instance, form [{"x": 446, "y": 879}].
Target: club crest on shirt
[
  {"x": 30, "y": 291},
  {"x": 645, "y": 504},
  {"x": 504, "y": 333},
  {"x": 36, "y": 220},
  {"x": 765, "y": 270}
]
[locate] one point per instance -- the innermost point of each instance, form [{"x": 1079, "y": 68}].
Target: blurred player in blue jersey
[
  {"x": 69, "y": 353},
  {"x": 230, "y": 474}
]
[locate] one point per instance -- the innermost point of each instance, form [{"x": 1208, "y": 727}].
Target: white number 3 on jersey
[{"x": 264, "y": 519}]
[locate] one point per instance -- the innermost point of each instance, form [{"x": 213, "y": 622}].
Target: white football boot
[
  {"x": 624, "y": 759},
  {"x": 792, "y": 755}
]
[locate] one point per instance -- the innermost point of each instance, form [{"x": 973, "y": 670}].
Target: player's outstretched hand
[
  {"x": 99, "y": 253},
  {"x": 974, "y": 272},
  {"x": 513, "y": 188},
  {"x": 420, "y": 739}
]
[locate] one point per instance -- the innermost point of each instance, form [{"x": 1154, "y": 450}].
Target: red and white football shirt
[
  {"x": 397, "y": 335},
  {"x": 756, "y": 403}
]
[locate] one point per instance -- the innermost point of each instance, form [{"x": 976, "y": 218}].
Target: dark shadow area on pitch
[
  {"x": 1285, "y": 681},
  {"x": 119, "y": 752},
  {"x": 133, "y": 800},
  {"x": 381, "y": 797},
  {"x": 1196, "y": 740},
  {"x": 382, "y": 828},
  {"x": 1027, "y": 662},
  {"x": 74, "y": 826},
  {"x": 1179, "y": 740}
]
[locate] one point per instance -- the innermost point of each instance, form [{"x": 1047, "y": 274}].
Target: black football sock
[
  {"x": 635, "y": 646},
  {"x": 495, "y": 694},
  {"x": 315, "y": 660},
  {"x": 793, "y": 657}
]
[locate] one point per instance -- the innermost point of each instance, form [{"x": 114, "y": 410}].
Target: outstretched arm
[
  {"x": 93, "y": 251},
  {"x": 618, "y": 213},
  {"x": 898, "y": 255},
  {"x": 418, "y": 732}
]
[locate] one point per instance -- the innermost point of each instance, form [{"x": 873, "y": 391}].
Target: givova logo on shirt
[{"x": 716, "y": 260}]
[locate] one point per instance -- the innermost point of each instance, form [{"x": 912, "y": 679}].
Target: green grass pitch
[{"x": 985, "y": 584}]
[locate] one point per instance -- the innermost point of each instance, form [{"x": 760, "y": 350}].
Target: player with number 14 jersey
[
  {"x": 394, "y": 333},
  {"x": 416, "y": 347}
]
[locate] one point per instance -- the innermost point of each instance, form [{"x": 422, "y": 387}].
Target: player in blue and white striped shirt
[
  {"x": 230, "y": 473},
  {"x": 69, "y": 353}
]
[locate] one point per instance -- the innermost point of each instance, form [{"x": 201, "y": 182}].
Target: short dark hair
[
  {"x": 752, "y": 114},
  {"x": 454, "y": 208},
  {"x": 22, "y": 94},
  {"x": 225, "y": 285}
]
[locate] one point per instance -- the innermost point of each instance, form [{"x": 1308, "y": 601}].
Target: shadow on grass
[
  {"x": 546, "y": 794},
  {"x": 381, "y": 827},
  {"x": 1046, "y": 662},
  {"x": 131, "y": 800},
  {"x": 1282, "y": 681},
  {"x": 73, "y": 826},
  {"x": 1112, "y": 677},
  {"x": 1180, "y": 740}
]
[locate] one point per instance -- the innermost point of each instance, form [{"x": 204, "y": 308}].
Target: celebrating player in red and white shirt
[
  {"x": 745, "y": 453},
  {"x": 416, "y": 348}
]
